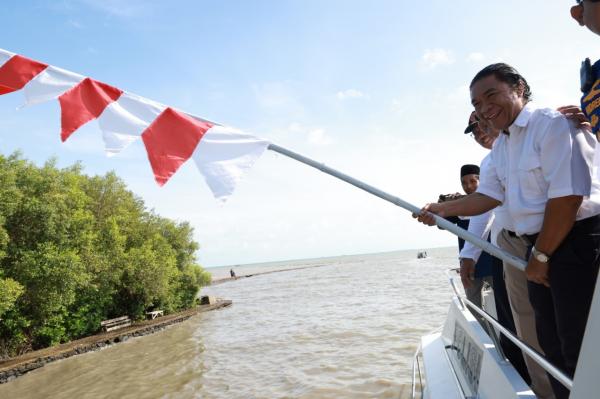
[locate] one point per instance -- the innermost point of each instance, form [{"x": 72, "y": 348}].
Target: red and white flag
[{"x": 171, "y": 137}]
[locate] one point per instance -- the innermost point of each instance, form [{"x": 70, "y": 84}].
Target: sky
[{"x": 377, "y": 90}]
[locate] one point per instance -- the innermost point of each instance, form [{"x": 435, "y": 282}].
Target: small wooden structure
[
  {"x": 115, "y": 324},
  {"x": 154, "y": 314},
  {"x": 208, "y": 300}
]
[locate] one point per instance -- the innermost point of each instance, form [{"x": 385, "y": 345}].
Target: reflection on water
[{"x": 347, "y": 330}]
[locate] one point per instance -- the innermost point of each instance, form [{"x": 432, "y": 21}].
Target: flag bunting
[{"x": 222, "y": 154}]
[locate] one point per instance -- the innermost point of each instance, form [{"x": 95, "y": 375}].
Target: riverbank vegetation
[{"x": 76, "y": 250}]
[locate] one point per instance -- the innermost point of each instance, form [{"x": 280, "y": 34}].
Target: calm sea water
[{"x": 348, "y": 329}]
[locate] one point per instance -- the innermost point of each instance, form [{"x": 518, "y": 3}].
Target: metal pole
[{"x": 441, "y": 222}]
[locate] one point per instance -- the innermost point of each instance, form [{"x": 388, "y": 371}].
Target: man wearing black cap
[
  {"x": 488, "y": 226},
  {"x": 474, "y": 279}
]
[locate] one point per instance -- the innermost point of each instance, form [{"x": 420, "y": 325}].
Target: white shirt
[
  {"x": 491, "y": 222},
  {"x": 544, "y": 157}
]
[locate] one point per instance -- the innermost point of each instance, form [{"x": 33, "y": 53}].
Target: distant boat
[{"x": 421, "y": 254}]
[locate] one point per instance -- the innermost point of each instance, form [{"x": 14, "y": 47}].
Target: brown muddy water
[{"x": 346, "y": 330}]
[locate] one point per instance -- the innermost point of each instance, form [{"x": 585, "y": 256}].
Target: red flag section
[
  {"x": 170, "y": 141},
  {"x": 17, "y": 72},
  {"x": 83, "y": 103}
]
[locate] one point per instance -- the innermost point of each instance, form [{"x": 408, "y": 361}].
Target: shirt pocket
[
  {"x": 532, "y": 184},
  {"x": 501, "y": 173}
]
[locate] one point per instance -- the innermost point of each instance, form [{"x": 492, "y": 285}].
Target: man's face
[
  {"x": 483, "y": 134},
  {"x": 587, "y": 13},
  {"x": 496, "y": 103},
  {"x": 469, "y": 183}
]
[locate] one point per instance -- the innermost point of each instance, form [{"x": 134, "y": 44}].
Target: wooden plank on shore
[
  {"x": 115, "y": 320},
  {"x": 119, "y": 325}
]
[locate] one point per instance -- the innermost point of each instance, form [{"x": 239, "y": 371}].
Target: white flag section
[
  {"x": 223, "y": 156},
  {"x": 5, "y": 56},
  {"x": 124, "y": 121},
  {"x": 50, "y": 84},
  {"x": 170, "y": 137}
]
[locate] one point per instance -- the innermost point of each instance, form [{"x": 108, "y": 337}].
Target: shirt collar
[{"x": 522, "y": 118}]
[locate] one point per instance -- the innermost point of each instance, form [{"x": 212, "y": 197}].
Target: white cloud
[
  {"x": 437, "y": 56},
  {"x": 398, "y": 105},
  {"x": 75, "y": 24},
  {"x": 459, "y": 96},
  {"x": 475, "y": 57},
  {"x": 295, "y": 127},
  {"x": 318, "y": 137},
  {"x": 350, "y": 93},
  {"x": 274, "y": 94}
]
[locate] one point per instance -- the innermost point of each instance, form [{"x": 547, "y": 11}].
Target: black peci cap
[
  {"x": 469, "y": 169},
  {"x": 471, "y": 127}
]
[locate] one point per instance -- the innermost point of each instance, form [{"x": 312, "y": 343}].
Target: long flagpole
[{"x": 441, "y": 222}]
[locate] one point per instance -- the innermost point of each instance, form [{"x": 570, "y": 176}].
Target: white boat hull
[{"x": 462, "y": 361}]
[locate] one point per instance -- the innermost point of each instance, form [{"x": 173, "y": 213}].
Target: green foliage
[
  {"x": 76, "y": 250},
  {"x": 10, "y": 290}
]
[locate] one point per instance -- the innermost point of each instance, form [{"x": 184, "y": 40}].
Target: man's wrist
[{"x": 540, "y": 256}]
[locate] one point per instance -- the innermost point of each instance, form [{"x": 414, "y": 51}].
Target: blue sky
[{"x": 377, "y": 89}]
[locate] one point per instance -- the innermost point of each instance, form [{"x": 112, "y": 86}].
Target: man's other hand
[
  {"x": 427, "y": 212},
  {"x": 575, "y": 114},
  {"x": 537, "y": 272},
  {"x": 467, "y": 272}
]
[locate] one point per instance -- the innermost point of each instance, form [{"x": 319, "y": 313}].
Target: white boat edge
[{"x": 462, "y": 361}]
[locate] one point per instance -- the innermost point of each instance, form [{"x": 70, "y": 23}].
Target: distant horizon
[{"x": 325, "y": 257}]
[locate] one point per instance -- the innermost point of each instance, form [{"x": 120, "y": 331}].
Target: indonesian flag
[{"x": 171, "y": 137}]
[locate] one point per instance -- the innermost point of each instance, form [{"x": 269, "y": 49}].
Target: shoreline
[{"x": 15, "y": 367}]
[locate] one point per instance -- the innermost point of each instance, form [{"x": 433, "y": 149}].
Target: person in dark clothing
[
  {"x": 469, "y": 178},
  {"x": 587, "y": 13}
]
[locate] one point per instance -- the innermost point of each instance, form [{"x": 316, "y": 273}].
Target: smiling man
[{"x": 540, "y": 170}]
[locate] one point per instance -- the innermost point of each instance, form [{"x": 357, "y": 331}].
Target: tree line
[{"x": 76, "y": 250}]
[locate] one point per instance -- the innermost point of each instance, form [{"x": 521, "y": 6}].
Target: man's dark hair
[{"x": 507, "y": 74}]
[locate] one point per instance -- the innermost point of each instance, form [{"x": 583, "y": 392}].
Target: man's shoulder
[
  {"x": 485, "y": 161},
  {"x": 544, "y": 119},
  {"x": 547, "y": 114}
]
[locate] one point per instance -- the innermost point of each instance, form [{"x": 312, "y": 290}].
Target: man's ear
[
  {"x": 520, "y": 89},
  {"x": 577, "y": 14}
]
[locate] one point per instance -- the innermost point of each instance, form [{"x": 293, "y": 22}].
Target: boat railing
[
  {"x": 416, "y": 369},
  {"x": 527, "y": 350}
]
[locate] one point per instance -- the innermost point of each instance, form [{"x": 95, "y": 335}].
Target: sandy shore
[{"x": 17, "y": 366}]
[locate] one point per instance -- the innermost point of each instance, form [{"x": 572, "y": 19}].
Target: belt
[
  {"x": 584, "y": 224},
  {"x": 530, "y": 239}
]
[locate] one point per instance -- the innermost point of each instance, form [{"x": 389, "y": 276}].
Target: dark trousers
[
  {"x": 505, "y": 317},
  {"x": 561, "y": 311}
]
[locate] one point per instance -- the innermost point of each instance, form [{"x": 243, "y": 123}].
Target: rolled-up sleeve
[{"x": 489, "y": 183}]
